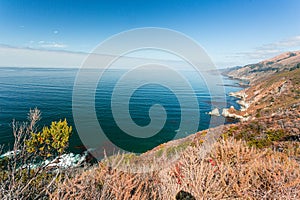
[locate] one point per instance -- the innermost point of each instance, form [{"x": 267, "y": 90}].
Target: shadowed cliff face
[{"x": 284, "y": 62}]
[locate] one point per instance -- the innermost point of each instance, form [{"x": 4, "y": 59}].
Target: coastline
[{"x": 241, "y": 95}]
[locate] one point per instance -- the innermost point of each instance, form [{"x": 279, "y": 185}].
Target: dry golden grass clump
[
  {"x": 103, "y": 182},
  {"x": 232, "y": 170}
]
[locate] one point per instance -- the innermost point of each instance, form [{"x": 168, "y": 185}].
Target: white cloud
[
  {"x": 259, "y": 54},
  {"x": 272, "y": 49},
  {"x": 27, "y": 57},
  {"x": 44, "y": 44},
  {"x": 287, "y": 43},
  {"x": 53, "y": 45}
]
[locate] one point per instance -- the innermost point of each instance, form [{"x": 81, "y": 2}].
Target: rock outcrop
[{"x": 214, "y": 112}]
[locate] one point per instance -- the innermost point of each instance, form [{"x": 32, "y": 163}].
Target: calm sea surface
[{"x": 50, "y": 90}]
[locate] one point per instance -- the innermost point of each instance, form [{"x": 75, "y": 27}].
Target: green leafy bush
[
  {"x": 270, "y": 137},
  {"x": 50, "y": 141}
]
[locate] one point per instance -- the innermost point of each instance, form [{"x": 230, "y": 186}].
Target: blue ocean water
[{"x": 50, "y": 90}]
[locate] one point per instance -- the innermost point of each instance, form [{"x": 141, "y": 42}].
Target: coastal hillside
[
  {"x": 256, "y": 158},
  {"x": 274, "y": 86},
  {"x": 252, "y": 72},
  {"x": 269, "y": 95}
]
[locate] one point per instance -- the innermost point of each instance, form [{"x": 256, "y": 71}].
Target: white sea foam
[{"x": 68, "y": 160}]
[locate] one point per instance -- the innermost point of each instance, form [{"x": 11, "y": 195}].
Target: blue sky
[{"x": 233, "y": 32}]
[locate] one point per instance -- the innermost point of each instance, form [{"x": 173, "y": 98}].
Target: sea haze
[{"x": 50, "y": 90}]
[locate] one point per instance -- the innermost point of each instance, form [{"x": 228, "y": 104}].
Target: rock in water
[{"x": 214, "y": 112}]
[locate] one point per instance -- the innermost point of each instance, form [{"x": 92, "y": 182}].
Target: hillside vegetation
[
  {"x": 232, "y": 170},
  {"x": 257, "y": 158}
]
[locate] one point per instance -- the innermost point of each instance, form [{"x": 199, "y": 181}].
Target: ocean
[{"x": 50, "y": 90}]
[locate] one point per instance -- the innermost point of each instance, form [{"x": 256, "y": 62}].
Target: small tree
[{"x": 50, "y": 141}]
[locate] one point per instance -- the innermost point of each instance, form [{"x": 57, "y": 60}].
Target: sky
[{"x": 51, "y": 33}]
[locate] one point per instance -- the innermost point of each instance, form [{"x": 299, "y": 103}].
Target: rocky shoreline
[{"x": 232, "y": 112}]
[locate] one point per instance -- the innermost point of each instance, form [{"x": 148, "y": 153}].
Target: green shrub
[
  {"x": 176, "y": 149},
  {"x": 229, "y": 133},
  {"x": 273, "y": 135},
  {"x": 270, "y": 137},
  {"x": 159, "y": 152},
  {"x": 50, "y": 141},
  {"x": 259, "y": 143}
]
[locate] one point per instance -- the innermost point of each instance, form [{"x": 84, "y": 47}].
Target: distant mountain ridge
[{"x": 252, "y": 72}]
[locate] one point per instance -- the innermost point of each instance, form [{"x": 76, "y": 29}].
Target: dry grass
[
  {"x": 103, "y": 182},
  {"x": 234, "y": 170},
  {"x": 231, "y": 171}
]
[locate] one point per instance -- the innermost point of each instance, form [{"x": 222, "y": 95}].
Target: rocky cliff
[{"x": 284, "y": 62}]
